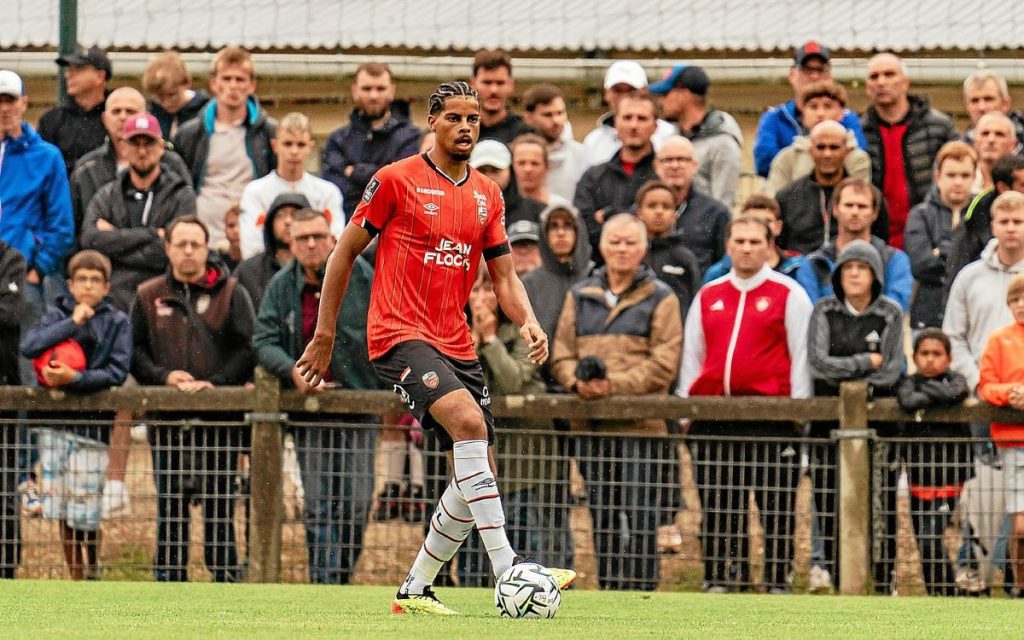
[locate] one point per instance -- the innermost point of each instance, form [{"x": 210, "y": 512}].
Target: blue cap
[{"x": 683, "y": 76}]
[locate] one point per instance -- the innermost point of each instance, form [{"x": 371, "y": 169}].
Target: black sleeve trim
[
  {"x": 370, "y": 229},
  {"x": 497, "y": 251}
]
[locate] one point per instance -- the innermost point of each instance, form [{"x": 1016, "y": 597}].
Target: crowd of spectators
[{"x": 176, "y": 235}]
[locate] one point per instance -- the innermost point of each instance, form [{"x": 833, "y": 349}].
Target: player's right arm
[{"x": 375, "y": 208}]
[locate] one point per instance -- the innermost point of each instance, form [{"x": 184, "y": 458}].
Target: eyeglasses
[
  {"x": 318, "y": 237},
  {"x": 675, "y": 160}
]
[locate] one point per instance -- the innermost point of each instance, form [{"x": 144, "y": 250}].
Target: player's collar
[{"x": 447, "y": 177}]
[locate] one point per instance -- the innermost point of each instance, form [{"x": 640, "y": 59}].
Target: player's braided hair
[{"x": 445, "y": 90}]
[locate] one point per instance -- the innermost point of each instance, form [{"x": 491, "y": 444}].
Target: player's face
[
  {"x": 312, "y": 242},
  {"x": 373, "y": 94},
  {"x": 187, "y": 251},
  {"x": 853, "y": 213},
  {"x": 931, "y": 357},
  {"x": 495, "y": 87},
  {"x": 623, "y": 248},
  {"x": 748, "y": 249},
  {"x": 983, "y": 99},
  {"x": 530, "y": 167},
  {"x": 11, "y": 112},
  {"x": 456, "y": 128},
  {"x": 292, "y": 149},
  {"x": 657, "y": 211},
  {"x": 548, "y": 119},
  {"x": 88, "y": 286},
  {"x": 954, "y": 180},
  {"x": 820, "y": 109},
  {"x": 232, "y": 84}
]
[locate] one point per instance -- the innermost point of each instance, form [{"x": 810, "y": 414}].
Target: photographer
[{"x": 619, "y": 334}]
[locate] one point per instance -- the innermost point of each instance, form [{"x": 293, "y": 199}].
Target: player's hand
[
  {"x": 300, "y": 383},
  {"x": 178, "y": 376},
  {"x": 312, "y": 365},
  {"x": 81, "y": 314},
  {"x": 57, "y": 374},
  {"x": 537, "y": 340}
]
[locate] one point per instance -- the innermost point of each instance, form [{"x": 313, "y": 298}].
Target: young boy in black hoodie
[{"x": 937, "y": 470}]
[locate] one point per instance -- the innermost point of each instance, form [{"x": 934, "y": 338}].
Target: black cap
[
  {"x": 93, "y": 56},
  {"x": 811, "y": 49},
  {"x": 683, "y": 76},
  {"x": 296, "y": 200}
]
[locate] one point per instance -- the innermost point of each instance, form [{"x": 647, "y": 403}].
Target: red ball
[{"x": 68, "y": 352}]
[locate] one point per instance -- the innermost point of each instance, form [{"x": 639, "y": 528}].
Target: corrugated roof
[{"x": 566, "y": 25}]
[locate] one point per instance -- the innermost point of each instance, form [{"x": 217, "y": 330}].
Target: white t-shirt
[
  {"x": 259, "y": 195},
  {"x": 228, "y": 169}
]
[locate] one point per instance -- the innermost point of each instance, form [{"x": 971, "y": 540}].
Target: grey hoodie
[
  {"x": 718, "y": 141},
  {"x": 977, "y": 307},
  {"x": 839, "y": 339},
  {"x": 547, "y": 285}
]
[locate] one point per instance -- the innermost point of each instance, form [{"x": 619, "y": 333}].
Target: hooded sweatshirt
[
  {"x": 255, "y": 273},
  {"x": 840, "y": 339},
  {"x": 976, "y": 308},
  {"x": 717, "y": 141},
  {"x": 35, "y": 201},
  {"x": 547, "y": 285}
]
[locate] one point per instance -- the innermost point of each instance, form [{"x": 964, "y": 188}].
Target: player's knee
[{"x": 468, "y": 424}]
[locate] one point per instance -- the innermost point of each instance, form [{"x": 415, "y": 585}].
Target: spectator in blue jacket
[
  {"x": 35, "y": 200},
  {"x": 780, "y": 124},
  {"x": 789, "y": 263},
  {"x": 376, "y": 136},
  {"x": 855, "y": 206}
]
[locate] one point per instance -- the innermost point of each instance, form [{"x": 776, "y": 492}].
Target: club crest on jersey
[
  {"x": 370, "y": 190},
  {"x": 431, "y": 380},
  {"x": 481, "y": 206},
  {"x": 762, "y": 303}
]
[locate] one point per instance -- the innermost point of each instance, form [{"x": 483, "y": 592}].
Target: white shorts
[
  {"x": 73, "y": 471},
  {"x": 1013, "y": 479}
]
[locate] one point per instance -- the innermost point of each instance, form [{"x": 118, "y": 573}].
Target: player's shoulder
[{"x": 401, "y": 168}]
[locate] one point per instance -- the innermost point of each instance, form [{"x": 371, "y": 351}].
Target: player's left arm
[{"x": 516, "y": 304}]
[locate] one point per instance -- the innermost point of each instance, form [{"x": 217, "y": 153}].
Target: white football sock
[
  {"x": 474, "y": 478},
  {"x": 451, "y": 523}
]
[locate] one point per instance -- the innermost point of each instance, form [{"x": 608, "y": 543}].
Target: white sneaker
[
  {"x": 819, "y": 580},
  {"x": 116, "y": 502}
]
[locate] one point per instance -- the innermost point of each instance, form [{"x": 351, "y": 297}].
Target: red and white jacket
[{"x": 747, "y": 338}]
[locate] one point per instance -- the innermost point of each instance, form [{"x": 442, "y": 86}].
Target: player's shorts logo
[
  {"x": 405, "y": 374},
  {"x": 370, "y": 190},
  {"x": 405, "y": 397},
  {"x": 431, "y": 380}
]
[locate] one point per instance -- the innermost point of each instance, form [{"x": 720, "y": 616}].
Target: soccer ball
[{"x": 527, "y": 590}]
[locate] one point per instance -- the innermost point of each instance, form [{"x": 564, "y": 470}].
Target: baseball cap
[
  {"x": 490, "y": 153},
  {"x": 625, "y": 72},
  {"x": 11, "y": 84},
  {"x": 810, "y": 49},
  {"x": 682, "y": 76},
  {"x": 144, "y": 124},
  {"x": 93, "y": 56},
  {"x": 288, "y": 199},
  {"x": 523, "y": 230}
]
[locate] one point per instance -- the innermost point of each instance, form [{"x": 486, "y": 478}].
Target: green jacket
[{"x": 277, "y": 338}]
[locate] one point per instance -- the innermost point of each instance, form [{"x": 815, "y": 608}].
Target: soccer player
[{"x": 436, "y": 217}]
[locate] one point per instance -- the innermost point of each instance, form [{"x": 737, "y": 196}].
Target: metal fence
[{"x": 270, "y": 486}]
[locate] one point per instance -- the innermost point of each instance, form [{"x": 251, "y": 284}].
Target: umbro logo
[
  {"x": 431, "y": 209},
  {"x": 486, "y": 483}
]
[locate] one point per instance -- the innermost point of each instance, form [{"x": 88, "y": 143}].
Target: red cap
[{"x": 144, "y": 124}]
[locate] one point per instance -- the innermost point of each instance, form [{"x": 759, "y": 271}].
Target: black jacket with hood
[
  {"x": 167, "y": 119},
  {"x": 136, "y": 252},
  {"x": 927, "y": 240},
  {"x": 254, "y": 273},
  {"x": 675, "y": 265}
]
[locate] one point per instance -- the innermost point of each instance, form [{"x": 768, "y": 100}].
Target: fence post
[
  {"x": 267, "y": 499},
  {"x": 854, "y": 531}
]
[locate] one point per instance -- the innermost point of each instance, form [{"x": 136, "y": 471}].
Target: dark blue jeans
[{"x": 337, "y": 466}]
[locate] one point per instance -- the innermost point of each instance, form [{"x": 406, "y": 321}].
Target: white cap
[
  {"x": 11, "y": 84},
  {"x": 626, "y": 72},
  {"x": 490, "y": 153}
]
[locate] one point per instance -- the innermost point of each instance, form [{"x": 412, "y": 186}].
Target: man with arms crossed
[{"x": 419, "y": 341}]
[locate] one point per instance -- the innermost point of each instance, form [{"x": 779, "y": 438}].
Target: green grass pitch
[{"x": 58, "y": 609}]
